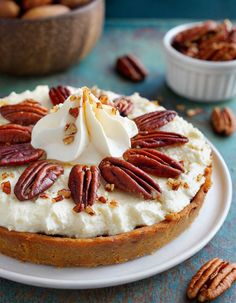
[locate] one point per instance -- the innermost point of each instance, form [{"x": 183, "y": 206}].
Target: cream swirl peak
[{"x": 83, "y": 130}]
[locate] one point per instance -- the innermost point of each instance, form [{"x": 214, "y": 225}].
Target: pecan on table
[
  {"x": 154, "y": 162},
  {"x": 28, "y": 112},
  {"x": 83, "y": 183},
  {"x": 14, "y": 133},
  {"x": 59, "y": 94},
  {"x": 223, "y": 121},
  {"x": 213, "y": 278},
  {"x": 37, "y": 178},
  {"x": 154, "y": 120},
  {"x": 19, "y": 154},
  {"x": 153, "y": 139},
  {"x": 131, "y": 68},
  {"x": 124, "y": 105},
  {"x": 129, "y": 178}
]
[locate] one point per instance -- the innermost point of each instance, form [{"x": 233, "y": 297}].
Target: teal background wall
[{"x": 196, "y": 9}]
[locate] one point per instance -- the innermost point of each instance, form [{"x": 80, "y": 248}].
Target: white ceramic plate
[{"x": 209, "y": 221}]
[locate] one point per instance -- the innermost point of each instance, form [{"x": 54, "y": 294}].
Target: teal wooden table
[{"x": 142, "y": 37}]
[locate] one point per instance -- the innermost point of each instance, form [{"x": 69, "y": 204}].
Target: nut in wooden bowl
[
  {"x": 9, "y": 9},
  {"x": 47, "y": 41}
]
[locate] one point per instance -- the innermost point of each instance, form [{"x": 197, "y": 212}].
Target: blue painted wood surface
[
  {"x": 142, "y": 37},
  {"x": 204, "y": 9}
]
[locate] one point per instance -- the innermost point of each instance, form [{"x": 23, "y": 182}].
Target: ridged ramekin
[{"x": 196, "y": 79}]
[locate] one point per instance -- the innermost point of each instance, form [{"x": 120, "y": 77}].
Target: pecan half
[
  {"x": 131, "y": 68},
  {"x": 37, "y": 178},
  {"x": 28, "y": 112},
  {"x": 154, "y": 120},
  {"x": 124, "y": 106},
  {"x": 194, "y": 34},
  {"x": 129, "y": 178},
  {"x": 14, "y": 133},
  {"x": 209, "y": 41},
  {"x": 221, "y": 51},
  {"x": 153, "y": 139},
  {"x": 19, "y": 154},
  {"x": 213, "y": 278},
  {"x": 83, "y": 183},
  {"x": 154, "y": 162},
  {"x": 59, "y": 94},
  {"x": 223, "y": 121}
]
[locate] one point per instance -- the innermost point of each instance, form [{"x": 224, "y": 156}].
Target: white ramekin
[{"x": 196, "y": 79}]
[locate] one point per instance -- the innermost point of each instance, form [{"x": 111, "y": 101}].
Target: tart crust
[{"x": 68, "y": 252}]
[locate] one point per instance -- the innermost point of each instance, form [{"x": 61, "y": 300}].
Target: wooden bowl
[{"x": 43, "y": 46}]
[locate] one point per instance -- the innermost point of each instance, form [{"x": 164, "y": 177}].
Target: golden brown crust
[{"x": 65, "y": 252}]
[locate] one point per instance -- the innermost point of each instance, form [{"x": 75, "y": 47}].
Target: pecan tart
[{"x": 89, "y": 177}]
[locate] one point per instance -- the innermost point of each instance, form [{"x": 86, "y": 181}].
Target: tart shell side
[{"x": 67, "y": 252}]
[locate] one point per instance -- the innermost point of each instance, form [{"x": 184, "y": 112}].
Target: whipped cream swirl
[{"x": 99, "y": 131}]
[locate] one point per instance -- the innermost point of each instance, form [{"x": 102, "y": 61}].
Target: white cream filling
[
  {"x": 45, "y": 216},
  {"x": 100, "y": 131}
]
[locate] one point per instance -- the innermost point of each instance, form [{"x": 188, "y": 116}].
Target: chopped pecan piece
[
  {"x": 153, "y": 139},
  {"x": 59, "y": 94},
  {"x": 28, "y": 112},
  {"x": 124, "y": 106},
  {"x": 154, "y": 162},
  {"x": 223, "y": 121},
  {"x": 83, "y": 183},
  {"x": 213, "y": 278},
  {"x": 131, "y": 68},
  {"x": 6, "y": 187},
  {"x": 64, "y": 193},
  {"x": 19, "y": 154},
  {"x": 14, "y": 133},
  {"x": 129, "y": 178},
  {"x": 74, "y": 112},
  {"x": 154, "y": 120},
  {"x": 37, "y": 178}
]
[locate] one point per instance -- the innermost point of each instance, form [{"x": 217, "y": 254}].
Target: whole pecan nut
[
  {"x": 129, "y": 178},
  {"x": 14, "y": 133},
  {"x": 223, "y": 121},
  {"x": 154, "y": 162},
  {"x": 124, "y": 106},
  {"x": 212, "y": 279},
  {"x": 74, "y": 3},
  {"x": 27, "y": 4},
  {"x": 131, "y": 68},
  {"x": 154, "y": 120},
  {"x": 28, "y": 112},
  {"x": 59, "y": 94},
  {"x": 19, "y": 154},
  {"x": 37, "y": 178},
  {"x": 83, "y": 183},
  {"x": 153, "y": 139}
]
